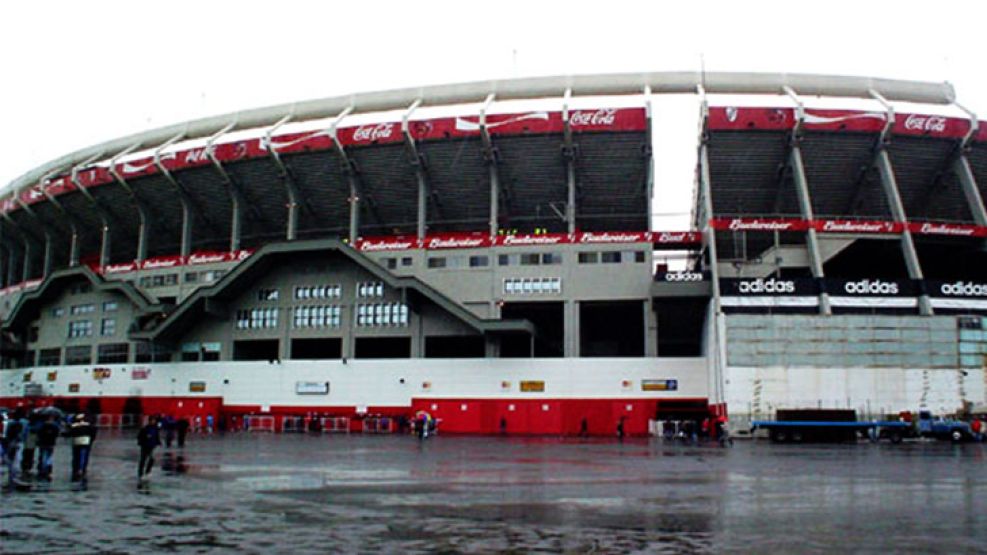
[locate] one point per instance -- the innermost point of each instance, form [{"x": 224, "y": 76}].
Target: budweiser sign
[
  {"x": 387, "y": 244},
  {"x": 664, "y": 237},
  {"x": 525, "y": 240},
  {"x": 373, "y": 132},
  {"x": 934, "y": 124},
  {"x": 603, "y": 116},
  {"x": 853, "y": 226},
  {"x": 456, "y": 242},
  {"x": 167, "y": 262},
  {"x": 616, "y": 237},
  {"x": 948, "y": 229},
  {"x": 758, "y": 224},
  {"x": 118, "y": 268},
  {"x": 207, "y": 257}
]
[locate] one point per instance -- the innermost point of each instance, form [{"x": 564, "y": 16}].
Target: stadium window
[
  {"x": 406, "y": 261},
  {"x": 479, "y": 261},
  {"x": 503, "y": 260},
  {"x": 437, "y": 262},
  {"x": 108, "y": 327},
  {"x": 58, "y": 312},
  {"x": 551, "y": 258},
  {"x": 80, "y": 354},
  {"x": 638, "y": 256},
  {"x": 191, "y": 277},
  {"x": 110, "y": 306},
  {"x": 80, "y": 328},
  {"x": 190, "y": 352},
  {"x": 50, "y": 357},
  {"x": 612, "y": 257},
  {"x": 530, "y": 259},
  {"x": 112, "y": 353},
  {"x": 391, "y": 263},
  {"x": 210, "y": 351},
  {"x": 589, "y": 257},
  {"x": 268, "y": 294},
  {"x": 150, "y": 352},
  {"x": 82, "y": 309},
  {"x": 80, "y": 288}
]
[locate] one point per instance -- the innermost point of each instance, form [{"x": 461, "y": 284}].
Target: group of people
[
  {"x": 149, "y": 438},
  {"x": 693, "y": 431},
  {"x": 32, "y": 437}
]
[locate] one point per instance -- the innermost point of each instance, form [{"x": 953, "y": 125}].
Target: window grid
[
  {"x": 257, "y": 318},
  {"x": 325, "y": 316},
  {"x": 370, "y": 289},
  {"x": 306, "y": 292},
  {"x": 381, "y": 315},
  {"x": 80, "y": 328},
  {"x": 532, "y": 286}
]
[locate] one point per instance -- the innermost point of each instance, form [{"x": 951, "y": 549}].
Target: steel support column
[
  {"x": 104, "y": 245},
  {"x": 569, "y": 156},
  {"x": 961, "y": 166},
  {"x": 142, "y": 219},
  {"x": 294, "y": 195},
  {"x": 185, "y": 247},
  {"x": 236, "y": 197},
  {"x": 418, "y": 160},
  {"x": 490, "y": 155},
  {"x": 890, "y": 186},
  {"x": 47, "y": 254}
]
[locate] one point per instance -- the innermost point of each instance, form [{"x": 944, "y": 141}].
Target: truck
[
  {"x": 828, "y": 425},
  {"x": 938, "y": 427}
]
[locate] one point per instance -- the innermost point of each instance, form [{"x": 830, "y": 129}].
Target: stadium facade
[{"x": 501, "y": 271}]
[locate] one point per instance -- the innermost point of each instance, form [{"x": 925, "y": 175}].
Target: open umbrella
[{"x": 50, "y": 411}]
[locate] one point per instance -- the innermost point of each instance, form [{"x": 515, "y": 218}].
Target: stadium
[{"x": 497, "y": 266}]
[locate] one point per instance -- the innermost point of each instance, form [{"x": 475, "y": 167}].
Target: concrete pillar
[
  {"x": 650, "y": 329},
  {"x": 26, "y": 267},
  {"x": 890, "y": 186},
  {"x": 142, "y": 231},
  {"x": 354, "y": 211},
  {"x": 46, "y": 263},
  {"x": 74, "y": 246},
  {"x": 186, "y": 238},
  {"x": 812, "y": 241},
  {"x": 961, "y": 166},
  {"x": 570, "y": 208},
  {"x": 571, "y": 328},
  {"x": 236, "y": 219},
  {"x": 494, "y": 198},
  {"x": 422, "y": 203},
  {"x": 104, "y": 245}
]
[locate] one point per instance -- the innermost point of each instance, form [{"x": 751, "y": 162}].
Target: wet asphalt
[{"x": 262, "y": 493}]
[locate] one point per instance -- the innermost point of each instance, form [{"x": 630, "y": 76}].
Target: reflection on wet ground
[{"x": 284, "y": 493}]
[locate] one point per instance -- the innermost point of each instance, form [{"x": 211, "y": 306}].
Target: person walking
[
  {"x": 47, "y": 436},
  {"x": 620, "y": 429},
  {"x": 182, "y": 426},
  {"x": 34, "y": 421},
  {"x": 168, "y": 426},
  {"x": 83, "y": 435},
  {"x": 15, "y": 433},
  {"x": 148, "y": 438}
]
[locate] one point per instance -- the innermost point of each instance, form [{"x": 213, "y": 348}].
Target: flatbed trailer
[{"x": 809, "y": 430}]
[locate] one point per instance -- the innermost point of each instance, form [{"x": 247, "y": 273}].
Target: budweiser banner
[
  {"x": 759, "y": 224},
  {"x": 954, "y": 230},
  {"x": 856, "y": 226}
]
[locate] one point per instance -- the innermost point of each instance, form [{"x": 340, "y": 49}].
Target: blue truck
[{"x": 836, "y": 425}]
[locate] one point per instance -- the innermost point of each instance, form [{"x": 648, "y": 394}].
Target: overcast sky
[{"x": 79, "y": 73}]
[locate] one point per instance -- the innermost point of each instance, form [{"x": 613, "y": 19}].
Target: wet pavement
[{"x": 258, "y": 493}]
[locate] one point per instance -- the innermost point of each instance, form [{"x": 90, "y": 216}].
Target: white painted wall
[{"x": 378, "y": 382}]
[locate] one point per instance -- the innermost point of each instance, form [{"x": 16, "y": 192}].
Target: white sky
[{"x": 79, "y": 73}]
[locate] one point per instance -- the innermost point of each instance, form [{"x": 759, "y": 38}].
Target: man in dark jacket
[
  {"x": 47, "y": 435},
  {"x": 182, "y": 426},
  {"x": 83, "y": 434},
  {"x": 148, "y": 438}
]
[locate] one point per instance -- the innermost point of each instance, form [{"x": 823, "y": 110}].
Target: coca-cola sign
[
  {"x": 926, "y": 124},
  {"x": 601, "y": 117},
  {"x": 373, "y": 132}
]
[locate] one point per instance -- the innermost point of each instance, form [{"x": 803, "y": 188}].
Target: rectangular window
[
  {"x": 390, "y": 263},
  {"x": 610, "y": 257},
  {"x": 112, "y": 353},
  {"x": 190, "y": 352},
  {"x": 267, "y": 295},
  {"x": 79, "y": 288},
  {"x": 370, "y": 289},
  {"x": 191, "y": 277},
  {"x": 256, "y": 318},
  {"x": 108, "y": 327},
  {"x": 316, "y": 316},
  {"x": 406, "y": 261},
  {"x": 589, "y": 257},
  {"x": 479, "y": 261},
  {"x": 80, "y": 328},
  {"x": 532, "y": 286},
  {"x": 81, "y": 354},
  {"x": 32, "y": 334},
  {"x": 381, "y": 314},
  {"x": 82, "y": 309},
  {"x": 58, "y": 312},
  {"x": 437, "y": 262},
  {"x": 503, "y": 260},
  {"x": 151, "y": 352},
  {"x": 210, "y": 351},
  {"x": 551, "y": 258},
  {"x": 49, "y": 357},
  {"x": 530, "y": 259},
  {"x": 638, "y": 256},
  {"x": 110, "y": 306}
]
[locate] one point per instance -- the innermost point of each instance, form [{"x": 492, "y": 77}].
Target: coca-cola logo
[
  {"x": 935, "y": 124},
  {"x": 196, "y": 156},
  {"x": 454, "y": 243},
  {"x": 206, "y": 258},
  {"x": 603, "y": 116},
  {"x": 772, "y": 286},
  {"x": 964, "y": 289},
  {"x": 871, "y": 287},
  {"x": 611, "y": 237},
  {"x": 373, "y": 132},
  {"x": 522, "y": 240},
  {"x": 386, "y": 245},
  {"x": 683, "y": 276},
  {"x": 740, "y": 224}
]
